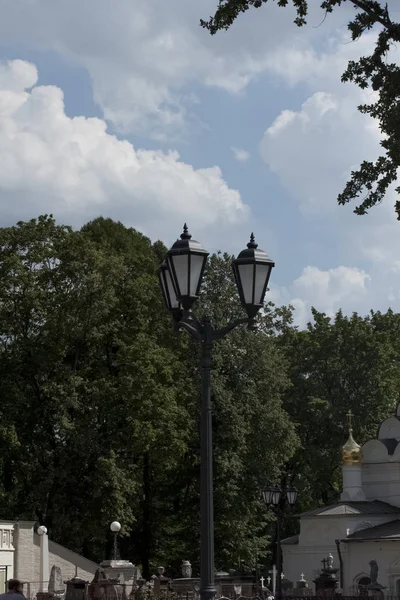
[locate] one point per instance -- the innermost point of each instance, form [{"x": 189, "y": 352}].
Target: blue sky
[{"x": 160, "y": 86}]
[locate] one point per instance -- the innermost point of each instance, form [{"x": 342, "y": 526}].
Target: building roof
[
  {"x": 386, "y": 531},
  {"x": 375, "y": 507},
  {"x": 294, "y": 539}
]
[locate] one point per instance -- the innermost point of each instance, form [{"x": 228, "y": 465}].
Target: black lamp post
[
  {"x": 279, "y": 499},
  {"x": 181, "y": 276}
]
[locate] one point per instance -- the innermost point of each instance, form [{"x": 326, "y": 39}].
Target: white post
[
  {"x": 44, "y": 558},
  {"x": 262, "y": 582}
]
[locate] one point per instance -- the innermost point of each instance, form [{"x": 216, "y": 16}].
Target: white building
[
  {"x": 27, "y": 557},
  {"x": 364, "y": 527}
]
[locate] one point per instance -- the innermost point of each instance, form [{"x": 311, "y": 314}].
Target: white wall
[
  {"x": 317, "y": 540},
  {"x": 68, "y": 561},
  {"x": 298, "y": 559},
  {"x": 24, "y": 561},
  {"x": 387, "y": 556}
]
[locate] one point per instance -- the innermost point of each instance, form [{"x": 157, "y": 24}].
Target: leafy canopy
[{"x": 371, "y": 181}]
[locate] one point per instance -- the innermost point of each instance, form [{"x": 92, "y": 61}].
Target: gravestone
[
  {"x": 75, "y": 589},
  {"x": 326, "y": 583},
  {"x": 186, "y": 585},
  {"x": 160, "y": 582},
  {"x": 56, "y": 583},
  {"x": 375, "y": 589}
]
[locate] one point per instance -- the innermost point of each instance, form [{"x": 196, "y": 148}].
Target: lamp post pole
[
  {"x": 208, "y": 589},
  {"x": 180, "y": 276},
  {"x": 278, "y": 555}
]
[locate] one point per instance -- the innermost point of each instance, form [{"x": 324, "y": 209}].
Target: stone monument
[
  {"x": 374, "y": 589},
  {"x": 56, "y": 583},
  {"x": 326, "y": 583},
  {"x": 186, "y": 569},
  {"x": 186, "y": 585}
]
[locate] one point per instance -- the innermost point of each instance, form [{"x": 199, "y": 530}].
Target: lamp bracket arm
[
  {"x": 220, "y": 333},
  {"x": 192, "y": 325}
]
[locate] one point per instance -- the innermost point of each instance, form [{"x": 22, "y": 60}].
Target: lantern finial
[
  {"x": 252, "y": 242},
  {"x": 185, "y": 235}
]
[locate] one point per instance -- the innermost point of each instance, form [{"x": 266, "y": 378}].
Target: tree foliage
[
  {"x": 100, "y": 400},
  {"x": 378, "y": 72},
  {"x": 348, "y": 363},
  {"x": 99, "y": 418}
]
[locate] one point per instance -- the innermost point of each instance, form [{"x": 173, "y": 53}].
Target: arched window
[{"x": 362, "y": 586}]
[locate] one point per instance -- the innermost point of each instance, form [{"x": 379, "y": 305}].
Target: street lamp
[
  {"x": 278, "y": 499},
  {"x": 115, "y": 529},
  {"x": 181, "y": 276}
]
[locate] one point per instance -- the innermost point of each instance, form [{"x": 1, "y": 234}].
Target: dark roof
[
  {"x": 386, "y": 531},
  {"x": 391, "y": 444},
  {"x": 376, "y": 507},
  {"x": 294, "y": 539}
]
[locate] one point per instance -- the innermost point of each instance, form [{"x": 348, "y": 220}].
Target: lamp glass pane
[
  {"x": 262, "y": 274},
  {"x": 171, "y": 289},
  {"x": 267, "y": 495},
  {"x": 196, "y": 266},
  {"x": 164, "y": 290},
  {"x": 167, "y": 287},
  {"x": 276, "y": 496},
  {"x": 291, "y": 495},
  {"x": 245, "y": 273},
  {"x": 181, "y": 263}
]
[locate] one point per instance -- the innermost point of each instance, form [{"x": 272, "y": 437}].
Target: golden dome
[{"x": 351, "y": 451}]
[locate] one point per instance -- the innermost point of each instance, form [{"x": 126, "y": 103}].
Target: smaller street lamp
[
  {"x": 115, "y": 528},
  {"x": 278, "y": 499},
  {"x": 272, "y": 495}
]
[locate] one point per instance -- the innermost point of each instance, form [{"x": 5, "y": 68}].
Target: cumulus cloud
[
  {"x": 240, "y": 155},
  {"x": 73, "y": 168},
  {"x": 143, "y": 59},
  {"x": 312, "y": 150},
  {"x": 330, "y": 290},
  {"x": 327, "y": 290}
]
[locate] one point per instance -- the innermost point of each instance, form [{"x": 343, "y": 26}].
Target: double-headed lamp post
[
  {"x": 181, "y": 275},
  {"x": 278, "y": 499}
]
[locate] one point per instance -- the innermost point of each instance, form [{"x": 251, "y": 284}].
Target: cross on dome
[
  {"x": 349, "y": 416},
  {"x": 351, "y": 450}
]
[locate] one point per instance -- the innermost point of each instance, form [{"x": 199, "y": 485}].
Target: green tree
[
  {"x": 89, "y": 382},
  {"x": 348, "y": 363},
  {"x": 377, "y": 71},
  {"x": 100, "y": 411}
]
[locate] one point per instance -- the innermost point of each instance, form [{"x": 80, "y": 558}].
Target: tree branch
[{"x": 361, "y": 5}]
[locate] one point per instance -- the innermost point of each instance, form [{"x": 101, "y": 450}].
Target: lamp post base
[{"x": 208, "y": 593}]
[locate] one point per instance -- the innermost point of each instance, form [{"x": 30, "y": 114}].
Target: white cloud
[
  {"x": 312, "y": 151},
  {"x": 240, "y": 154},
  {"x": 327, "y": 290},
  {"x": 73, "y": 168},
  {"x": 143, "y": 57}
]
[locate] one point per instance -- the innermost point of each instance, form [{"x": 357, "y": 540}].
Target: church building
[{"x": 362, "y": 531}]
